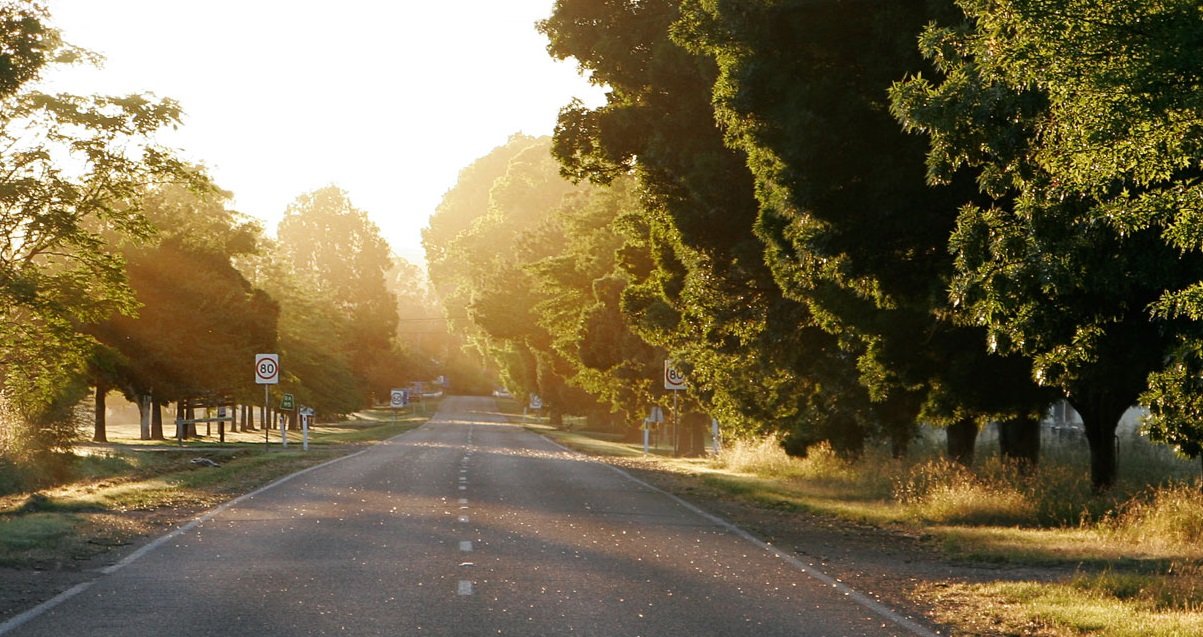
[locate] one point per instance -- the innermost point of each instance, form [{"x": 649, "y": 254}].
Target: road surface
[{"x": 464, "y": 526}]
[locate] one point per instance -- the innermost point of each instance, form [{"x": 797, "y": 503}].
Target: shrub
[
  {"x": 1170, "y": 516},
  {"x": 946, "y": 492}
]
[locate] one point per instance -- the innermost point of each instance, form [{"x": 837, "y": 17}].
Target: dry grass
[{"x": 1169, "y": 517}]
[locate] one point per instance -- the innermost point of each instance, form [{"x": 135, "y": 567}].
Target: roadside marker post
[{"x": 306, "y": 415}]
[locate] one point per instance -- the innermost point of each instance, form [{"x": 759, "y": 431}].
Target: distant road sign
[
  {"x": 267, "y": 369},
  {"x": 398, "y": 398},
  {"x": 286, "y": 402},
  {"x": 674, "y": 379}
]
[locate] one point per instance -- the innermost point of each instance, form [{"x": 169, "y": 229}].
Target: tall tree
[
  {"x": 74, "y": 168},
  {"x": 697, "y": 285},
  {"x": 199, "y": 320},
  {"x": 852, "y": 230},
  {"x": 1079, "y": 121},
  {"x": 483, "y": 272},
  {"x": 334, "y": 248}
]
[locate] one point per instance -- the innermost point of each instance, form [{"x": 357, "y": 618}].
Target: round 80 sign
[
  {"x": 674, "y": 379},
  {"x": 267, "y": 369}
]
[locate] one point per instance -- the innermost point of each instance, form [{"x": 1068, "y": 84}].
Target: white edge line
[
  {"x": 863, "y": 600},
  {"x": 18, "y": 620}
]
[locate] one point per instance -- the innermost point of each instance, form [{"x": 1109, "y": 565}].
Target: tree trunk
[
  {"x": 98, "y": 425},
  {"x": 1019, "y": 442},
  {"x": 190, "y": 413},
  {"x": 180, "y": 428},
  {"x": 1100, "y": 418},
  {"x": 143, "y": 416},
  {"x": 156, "y": 420},
  {"x": 555, "y": 417},
  {"x": 962, "y": 440}
]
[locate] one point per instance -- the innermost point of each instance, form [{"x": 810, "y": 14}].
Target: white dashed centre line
[
  {"x": 465, "y": 587},
  {"x": 466, "y": 546}
]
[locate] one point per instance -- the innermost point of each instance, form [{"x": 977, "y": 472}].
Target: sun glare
[{"x": 388, "y": 101}]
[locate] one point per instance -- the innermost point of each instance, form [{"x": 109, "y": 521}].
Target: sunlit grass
[{"x": 1105, "y": 605}]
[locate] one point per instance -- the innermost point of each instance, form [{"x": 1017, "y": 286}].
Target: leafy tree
[
  {"x": 338, "y": 252},
  {"x": 74, "y": 168},
  {"x": 852, "y": 231},
  {"x": 580, "y": 290},
  {"x": 495, "y": 286},
  {"x": 199, "y": 321},
  {"x": 696, "y": 282},
  {"x": 1077, "y": 121},
  {"x": 315, "y": 364}
]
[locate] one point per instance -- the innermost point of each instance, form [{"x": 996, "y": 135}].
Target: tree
[
  {"x": 338, "y": 253},
  {"x": 755, "y": 357},
  {"x": 1077, "y": 120},
  {"x": 315, "y": 363},
  {"x": 199, "y": 320},
  {"x": 74, "y": 168},
  {"x": 852, "y": 231},
  {"x": 483, "y": 271},
  {"x": 580, "y": 290}
]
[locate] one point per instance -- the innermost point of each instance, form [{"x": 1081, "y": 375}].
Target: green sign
[{"x": 286, "y": 402}]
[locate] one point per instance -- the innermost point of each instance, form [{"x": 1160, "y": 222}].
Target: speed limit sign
[{"x": 267, "y": 369}]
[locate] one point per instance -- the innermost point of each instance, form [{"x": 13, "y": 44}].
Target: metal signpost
[
  {"x": 286, "y": 404},
  {"x": 653, "y": 419},
  {"x": 267, "y": 373},
  {"x": 398, "y": 398},
  {"x": 674, "y": 381}
]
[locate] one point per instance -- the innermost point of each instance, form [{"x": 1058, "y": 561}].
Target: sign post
[
  {"x": 287, "y": 403},
  {"x": 653, "y": 419},
  {"x": 397, "y": 399},
  {"x": 674, "y": 381},
  {"x": 267, "y": 373}
]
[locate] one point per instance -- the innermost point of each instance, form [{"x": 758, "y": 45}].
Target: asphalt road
[{"x": 465, "y": 526}]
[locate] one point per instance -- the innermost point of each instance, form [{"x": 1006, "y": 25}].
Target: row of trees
[
  {"x": 122, "y": 267},
  {"x": 846, "y": 218}
]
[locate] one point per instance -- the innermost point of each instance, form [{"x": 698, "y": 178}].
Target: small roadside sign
[
  {"x": 536, "y": 402},
  {"x": 398, "y": 398},
  {"x": 267, "y": 369},
  {"x": 286, "y": 402}
]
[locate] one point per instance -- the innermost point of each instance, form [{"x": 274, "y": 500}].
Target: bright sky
[{"x": 388, "y": 100}]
